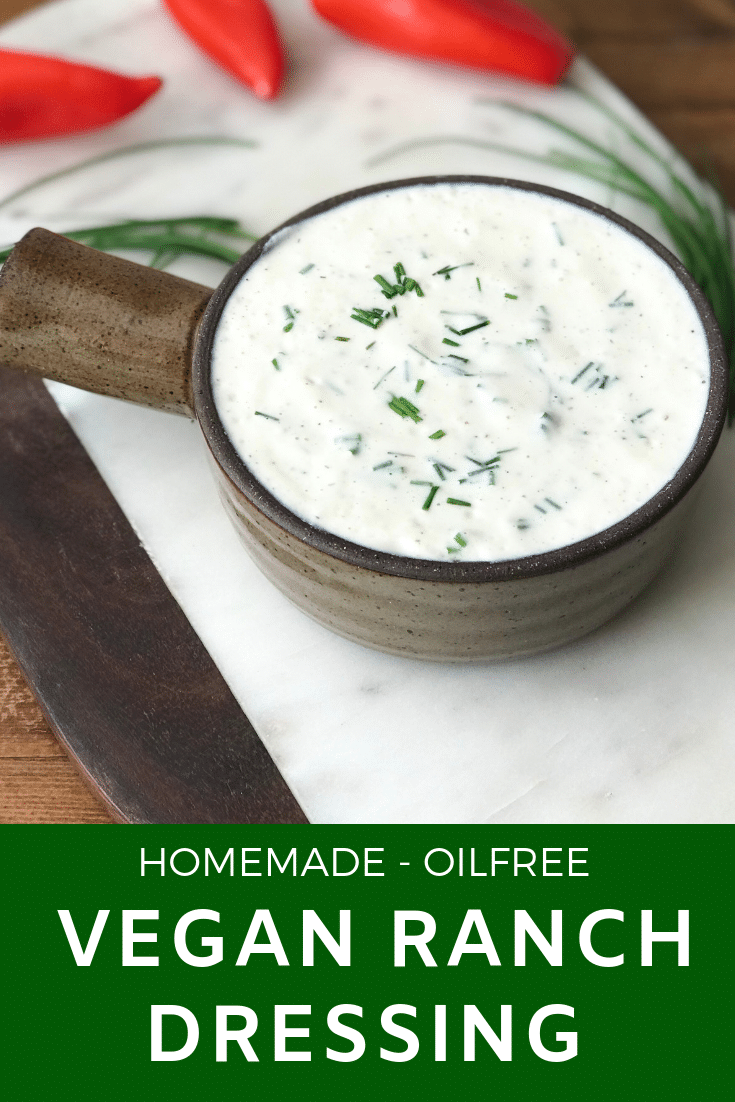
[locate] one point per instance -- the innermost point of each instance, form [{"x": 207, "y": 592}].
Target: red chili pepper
[
  {"x": 483, "y": 34},
  {"x": 239, "y": 34},
  {"x": 42, "y": 97}
]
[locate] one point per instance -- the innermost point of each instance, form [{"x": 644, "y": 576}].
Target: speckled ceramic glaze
[{"x": 111, "y": 326}]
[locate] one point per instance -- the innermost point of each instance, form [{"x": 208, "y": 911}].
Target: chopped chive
[
  {"x": 552, "y": 503},
  {"x": 430, "y": 497},
  {"x": 418, "y": 482},
  {"x": 531, "y": 340},
  {"x": 447, "y": 270},
  {"x": 355, "y": 439},
  {"x": 341, "y": 338},
  {"x": 379, "y": 467},
  {"x": 419, "y": 384},
  {"x": 372, "y": 318},
  {"x": 404, "y": 283},
  {"x": 454, "y": 550},
  {"x": 454, "y": 344},
  {"x": 461, "y": 540},
  {"x": 276, "y": 364},
  {"x": 269, "y": 416},
  {"x": 437, "y": 435},
  {"x": 456, "y": 501},
  {"x": 382, "y": 377},
  {"x": 644, "y": 414},
  {"x": 484, "y": 463},
  {"x": 438, "y": 468},
  {"x": 404, "y": 408},
  {"x": 619, "y": 301},
  {"x": 510, "y": 296},
  {"x": 395, "y": 311},
  {"x": 368, "y": 346},
  {"x": 288, "y": 328},
  {"x": 540, "y": 509},
  {"x": 471, "y": 328},
  {"x": 479, "y": 285},
  {"x": 559, "y": 237},
  {"x": 581, "y": 373},
  {"x": 306, "y": 269},
  {"x": 415, "y": 349},
  {"x": 454, "y": 356},
  {"x": 388, "y": 289}
]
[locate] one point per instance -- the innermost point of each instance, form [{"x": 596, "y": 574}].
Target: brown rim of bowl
[{"x": 384, "y": 562}]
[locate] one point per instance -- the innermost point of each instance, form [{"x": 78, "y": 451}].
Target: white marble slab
[{"x": 631, "y": 724}]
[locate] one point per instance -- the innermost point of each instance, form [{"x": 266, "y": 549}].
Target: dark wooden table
[{"x": 676, "y": 60}]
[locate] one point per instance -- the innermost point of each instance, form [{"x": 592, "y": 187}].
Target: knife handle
[{"x": 95, "y": 321}]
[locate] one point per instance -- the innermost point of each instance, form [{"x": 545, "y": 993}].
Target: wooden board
[
  {"x": 676, "y": 60},
  {"x": 124, "y": 680}
]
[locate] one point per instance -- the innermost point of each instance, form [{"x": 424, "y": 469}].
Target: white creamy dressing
[{"x": 545, "y": 378}]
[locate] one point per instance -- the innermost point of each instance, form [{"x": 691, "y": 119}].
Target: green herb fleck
[
  {"x": 368, "y": 346},
  {"x": 276, "y": 364},
  {"x": 483, "y": 466},
  {"x": 415, "y": 349},
  {"x": 454, "y": 344},
  {"x": 448, "y": 269},
  {"x": 379, "y": 467},
  {"x": 454, "y": 356},
  {"x": 510, "y": 296},
  {"x": 461, "y": 540},
  {"x": 457, "y": 501},
  {"x": 619, "y": 300},
  {"x": 419, "y": 384},
  {"x": 355, "y": 439},
  {"x": 469, "y": 329},
  {"x": 440, "y": 468},
  {"x": 479, "y": 285},
  {"x": 306, "y": 269},
  {"x": 383, "y": 377},
  {"x": 403, "y": 283},
  {"x": 341, "y": 338},
  {"x": 291, "y": 316},
  {"x": 553, "y": 504},
  {"x": 559, "y": 237},
  {"x": 388, "y": 289},
  {"x": 372, "y": 318},
  {"x": 644, "y": 414},
  {"x": 437, "y": 435},
  {"x": 430, "y": 497},
  {"x": 404, "y": 408},
  {"x": 269, "y": 416},
  {"x": 579, "y": 374}
]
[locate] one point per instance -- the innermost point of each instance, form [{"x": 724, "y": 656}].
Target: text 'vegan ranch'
[{"x": 460, "y": 372}]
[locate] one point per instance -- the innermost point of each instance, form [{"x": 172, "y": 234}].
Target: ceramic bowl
[{"x": 114, "y": 327}]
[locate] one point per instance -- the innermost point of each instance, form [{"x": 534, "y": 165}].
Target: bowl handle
[{"x": 71, "y": 313}]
